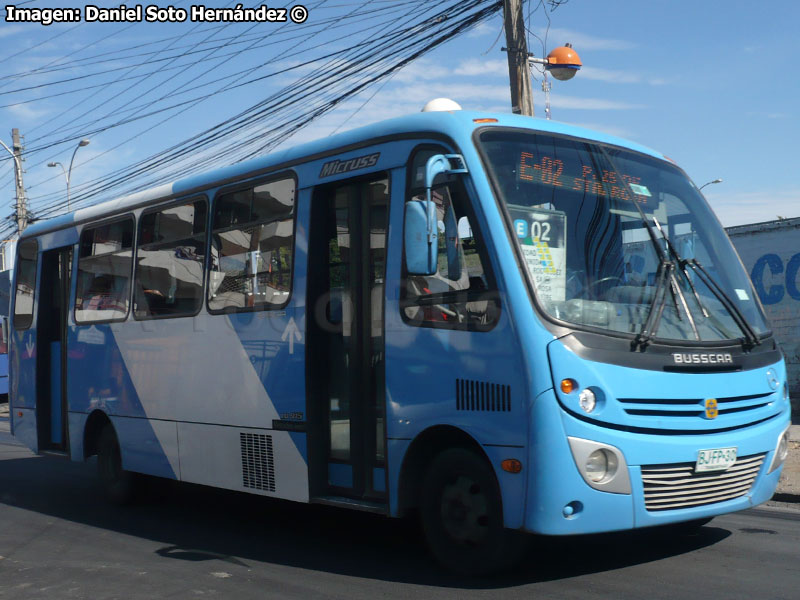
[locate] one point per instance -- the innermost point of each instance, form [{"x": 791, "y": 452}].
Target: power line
[{"x": 338, "y": 76}]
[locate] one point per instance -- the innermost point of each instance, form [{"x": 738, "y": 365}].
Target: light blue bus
[{"x": 502, "y": 324}]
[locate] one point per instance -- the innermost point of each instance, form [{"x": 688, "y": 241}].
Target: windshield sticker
[
  {"x": 742, "y": 294},
  {"x": 640, "y": 190},
  {"x": 542, "y": 235}
]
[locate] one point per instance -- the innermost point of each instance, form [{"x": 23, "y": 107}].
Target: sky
[{"x": 712, "y": 84}]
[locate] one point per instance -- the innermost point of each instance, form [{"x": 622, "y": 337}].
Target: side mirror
[
  {"x": 421, "y": 223},
  {"x": 439, "y": 164},
  {"x": 421, "y": 238}
]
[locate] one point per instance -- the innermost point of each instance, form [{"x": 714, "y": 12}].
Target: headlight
[
  {"x": 587, "y": 400},
  {"x": 781, "y": 451}
]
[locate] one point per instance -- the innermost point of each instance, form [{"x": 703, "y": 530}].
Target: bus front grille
[
  {"x": 691, "y": 407},
  {"x": 669, "y": 487}
]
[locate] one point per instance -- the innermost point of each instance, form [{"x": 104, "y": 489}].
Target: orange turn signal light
[
  {"x": 568, "y": 385},
  {"x": 511, "y": 465},
  {"x": 486, "y": 120}
]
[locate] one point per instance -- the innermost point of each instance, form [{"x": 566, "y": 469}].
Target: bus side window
[
  {"x": 26, "y": 284},
  {"x": 4, "y": 340},
  {"x": 251, "y": 247},
  {"x": 461, "y": 294},
  {"x": 104, "y": 272},
  {"x": 169, "y": 261}
]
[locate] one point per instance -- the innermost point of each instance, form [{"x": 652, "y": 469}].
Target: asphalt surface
[{"x": 59, "y": 539}]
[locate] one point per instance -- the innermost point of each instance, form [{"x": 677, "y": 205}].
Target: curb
[{"x": 785, "y": 497}]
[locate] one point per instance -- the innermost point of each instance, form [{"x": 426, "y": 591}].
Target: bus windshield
[{"x": 597, "y": 227}]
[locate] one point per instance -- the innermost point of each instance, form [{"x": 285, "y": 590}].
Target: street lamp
[
  {"x": 709, "y": 183},
  {"x": 68, "y": 173},
  {"x": 562, "y": 63}
]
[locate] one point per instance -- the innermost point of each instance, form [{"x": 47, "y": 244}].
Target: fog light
[
  {"x": 601, "y": 465},
  {"x": 781, "y": 451},
  {"x": 783, "y": 447},
  {"x": 587, "y": 400}
]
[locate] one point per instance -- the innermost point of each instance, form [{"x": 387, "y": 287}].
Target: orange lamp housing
[
  {"x": 568, "y": 385},
  {"x": 563, "y": 62}
]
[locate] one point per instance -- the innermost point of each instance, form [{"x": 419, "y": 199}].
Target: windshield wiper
[
  {"x": 666, "y": 277},
  {"x": 750, "y": 336},
  {"x": 682, "y": 265}
]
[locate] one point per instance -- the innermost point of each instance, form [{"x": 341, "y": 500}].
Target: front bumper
[{"x": 560, "y": 502}]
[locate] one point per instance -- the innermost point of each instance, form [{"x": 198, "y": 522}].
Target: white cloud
[
  {"x": 486, "y": 28},
  {"x": 10, "y": 30},
  {"x": 420, "y": 69},
  {"x": 27, "y": 112},
  {"x": 596, "y": 74},
  {"x": 614, "y": 76},
  {"x": 581, "y": 41},
  {"x": 474, "y": 66},
  {"x": 739, "y": 208},
  {"x": 574, "y": 103},
  {"x": 605, "y": 128}
]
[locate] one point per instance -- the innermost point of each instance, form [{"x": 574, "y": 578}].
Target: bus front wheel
[
  {"x": 118, "y": 484},
  {"x": 462, "y": 516}
]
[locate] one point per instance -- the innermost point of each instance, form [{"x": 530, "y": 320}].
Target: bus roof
[{"x": 457, "y": 125}]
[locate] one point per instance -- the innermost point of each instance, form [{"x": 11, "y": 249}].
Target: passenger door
[
  {"x": 345, "y": 351},
  {"x": 51, "y": 341}
]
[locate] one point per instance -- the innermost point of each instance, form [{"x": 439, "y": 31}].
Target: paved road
[{"x": 58, "y": 539}]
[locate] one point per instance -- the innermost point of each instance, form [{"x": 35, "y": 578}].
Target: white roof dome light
[{"x": 441, "y": 104}]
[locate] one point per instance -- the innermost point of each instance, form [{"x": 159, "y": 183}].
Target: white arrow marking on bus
[
  {"x": 29, "y": 345},
  {"x": 291, "y": 332}
]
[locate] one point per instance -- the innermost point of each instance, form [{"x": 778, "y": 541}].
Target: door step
[
  {"x": 379, "y": 508},
  {"x": 54, "y": 453}
]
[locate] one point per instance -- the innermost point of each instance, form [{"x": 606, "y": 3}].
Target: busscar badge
[{"x": 711, "y": 408}]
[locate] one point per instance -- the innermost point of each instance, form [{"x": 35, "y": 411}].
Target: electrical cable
[{"x": 343, "y": 75}]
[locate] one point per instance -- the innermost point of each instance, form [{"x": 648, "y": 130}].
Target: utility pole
[
  {"x": 519, "y": 71},
  {"x": 21, "y": 206}
]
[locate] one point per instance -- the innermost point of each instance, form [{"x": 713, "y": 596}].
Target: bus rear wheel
[
  {"x": 462, "y": 516},
  {"x": 118, "y": 484}
]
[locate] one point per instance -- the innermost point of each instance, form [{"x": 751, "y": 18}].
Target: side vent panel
[
  {"x": 482, "y": 396},
  {"x": 258, "y": 463}
]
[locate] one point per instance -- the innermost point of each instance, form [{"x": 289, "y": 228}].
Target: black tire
[
  {"x": 462, "y": 516},
  {"x": 119, "y": 485}
]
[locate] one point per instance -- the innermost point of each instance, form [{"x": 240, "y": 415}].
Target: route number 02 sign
[{"x": 542, "y": 235}]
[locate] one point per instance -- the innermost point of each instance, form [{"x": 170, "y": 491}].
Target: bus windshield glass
[{"x": 603, "y": 231}]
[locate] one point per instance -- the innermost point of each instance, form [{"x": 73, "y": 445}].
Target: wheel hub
[{"x": 465, "y": 510}]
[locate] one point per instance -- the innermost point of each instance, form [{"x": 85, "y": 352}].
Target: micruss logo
[
  {"x": 337, "y": 167},
  {"x": 696, "y": 358}
]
